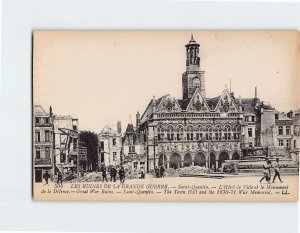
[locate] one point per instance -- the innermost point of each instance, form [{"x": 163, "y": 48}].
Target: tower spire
[{"x": 193, "y": 77}]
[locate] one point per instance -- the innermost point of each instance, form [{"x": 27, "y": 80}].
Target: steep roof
[
  {"x": 147, "y": 111},
  {"x": 108, "y": 130},
  {"x": 282, "y": 116},
  {"x": 130, "y": 128},
  {"x": 39, "y": 111},
  {"x": 212, "y": 102},
  {"x": 184, "y": 103},
  {"x": 247, "y": 109}
]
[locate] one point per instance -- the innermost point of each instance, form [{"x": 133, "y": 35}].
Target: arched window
[
  {"x": 227, "y": 132},
  {"x": 161, "y": 133},
  {"x": 218, "y": 133},
  {"x": 199, "y": 133},
  {"x": 236, "y": 132},
  {"x": 170, "y": 133},
  {"x": 208, "y": 133},
  {"x": 179, "y": 133},
  {"x": 196, "y": 82},
  {"x": 189, "y": 135}
]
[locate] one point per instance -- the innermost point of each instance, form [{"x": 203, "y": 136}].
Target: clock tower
[{"x": 193, "y": 77}]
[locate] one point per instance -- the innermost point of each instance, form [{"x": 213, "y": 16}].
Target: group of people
[
  {"x": 113, "y": 173},
  {"x": 267, "y": 170},
  {"x": 160, "y": 171},
  {"x": 47, "y": 176}
]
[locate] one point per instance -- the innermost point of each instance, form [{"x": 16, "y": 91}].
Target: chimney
[
  {"x": 290, "y": 114},
  {"x": 255, "y": 92},
  {"x": 119, "y": 128},
  {"x": 154, "y": 104},
  {"x": 50, "y": 112},
  {"x": 138, "y": 119}
]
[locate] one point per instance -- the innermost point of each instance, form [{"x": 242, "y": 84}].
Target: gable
[
  {"x": 168, "y": 104},
  {"x": 197, "y": 103},
  {"x": 226, "y": 103}
]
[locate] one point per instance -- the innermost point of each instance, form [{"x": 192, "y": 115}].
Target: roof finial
[
  {"x": 130, "y": 120},
  {"x": 192, "y": 40}
]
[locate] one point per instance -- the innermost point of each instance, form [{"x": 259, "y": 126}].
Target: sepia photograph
[{"x": 166, "y": 115}]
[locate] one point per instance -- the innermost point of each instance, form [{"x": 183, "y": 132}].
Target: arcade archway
[
  {"x": 222, "y": 157},
  {"x": 235, "y": 156},
  {"x": 175, "y": 161},
  {"x": 187, "y": 161},
  {"x": 162, "y": 160},
  {"x": 199, "y": 159}
]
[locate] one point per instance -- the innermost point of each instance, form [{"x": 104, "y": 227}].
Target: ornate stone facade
[{"x": 194, "y": 130}]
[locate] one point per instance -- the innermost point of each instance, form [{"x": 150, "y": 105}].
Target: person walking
[
  {"x": 162, "y": 171},
  {"x": 266, "y": 172},
  {"x": 142, "y": 174},
  {"x": 103, "y": 170},
  {"x": 275, "y": 165},
  {"x": 156, "y": 170},
  {"x": 122, "y": 174},
  {"x": 113, "y": 174},
  {"x": 59, "y": 179},
  {"x": 46, "y": 176}
]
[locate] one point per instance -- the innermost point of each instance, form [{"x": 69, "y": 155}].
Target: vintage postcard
[{"x": 166, "y": 115}]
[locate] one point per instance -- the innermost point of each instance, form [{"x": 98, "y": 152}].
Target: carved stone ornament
[{"x": 169, "y": 105}]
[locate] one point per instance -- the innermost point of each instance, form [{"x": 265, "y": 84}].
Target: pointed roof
[
  {"x": 200, "y": 101},
  {"x": 39, "y": 111},
  {"x": 231, "y": 102},
  {"x": 192, "y": 41},
  {"x": 108, "y": 130},
  {"x": 184, "y": 103},
  {"x": 130, "y": 128},
  {"x": 212, "y": 102},
  {"x": 162, "y": 100}
]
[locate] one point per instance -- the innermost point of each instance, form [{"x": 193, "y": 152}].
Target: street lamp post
[{"x": 154, "y": 144}]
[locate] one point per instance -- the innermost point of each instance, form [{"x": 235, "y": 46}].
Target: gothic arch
[
  {"x": 223, "y": 155},
  {"x": 162, "y": 160},
  {"x": 235, "y": 155},
  {"x": 200, "y": 160},
  {"x": 175, "y": 161},
  {"x": 187, "y": 160}
]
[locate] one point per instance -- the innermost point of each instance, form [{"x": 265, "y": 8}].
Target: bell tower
[{"x": 193, "y": 77}]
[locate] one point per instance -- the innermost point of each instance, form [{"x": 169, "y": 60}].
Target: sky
[{"x": 101, "y": 77}]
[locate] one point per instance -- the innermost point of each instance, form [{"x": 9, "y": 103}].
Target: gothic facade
[{"x": 194, "y": 130}]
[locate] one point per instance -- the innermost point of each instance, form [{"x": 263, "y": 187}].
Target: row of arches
[{"x": 200, "y": 159}]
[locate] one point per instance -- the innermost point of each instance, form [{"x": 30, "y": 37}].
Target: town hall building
[{"x": 194, "y": 130}]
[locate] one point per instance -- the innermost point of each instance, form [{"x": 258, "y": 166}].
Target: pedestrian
[
  {"x": 46, "y": 176},
  {"x": 59, "y": 179},
  {"x": 162, "y": 171},
  {"x": 113, "y": 174},
  {"x": 156, "y": 172},
  {"x": 103, "y": 170},
  {"x": 142, "y": 174},
  {"x": 122, "y": 174},
  {"x": 266, "y": 171},
  {"x": 275, "y": 165}
]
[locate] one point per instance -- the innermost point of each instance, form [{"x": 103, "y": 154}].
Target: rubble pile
[
  {"x": 171, "y": 172},
  {"x": 192, "y": 170}
]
